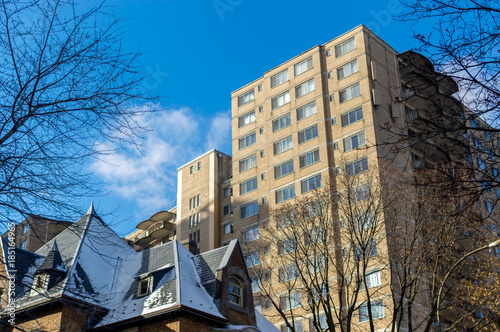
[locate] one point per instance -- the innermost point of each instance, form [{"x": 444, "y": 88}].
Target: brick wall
[
  {"x": 238, "y": 315},
  {"x": 177, "y": 324}
]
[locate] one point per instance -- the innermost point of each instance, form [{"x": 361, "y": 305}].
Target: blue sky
[{"x": 198, "y": 52}]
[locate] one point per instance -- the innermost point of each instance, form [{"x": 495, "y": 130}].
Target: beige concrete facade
[
  {"x": 356, "y": 71},
  {"x": 200, "y": 198}
]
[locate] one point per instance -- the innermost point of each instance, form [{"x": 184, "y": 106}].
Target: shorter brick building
[{"x": 88, "y": 279}]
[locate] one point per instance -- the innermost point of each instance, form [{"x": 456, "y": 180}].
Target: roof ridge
[{"x": 77, "y": 253}]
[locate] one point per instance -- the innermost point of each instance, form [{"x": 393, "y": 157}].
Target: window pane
[
  {"x": 345, "y": 47},
  {"x": 309, "y": 158},
  {"x": 249, "y": 210},
  {"x": 283, "y": 145},
  {"x": 248, "y": 163},
  {"x": 349, "y": 93},
  {"x": 246, "y": 119},
  {"x": 305, "y": 111},
  {"x": 285, "y": 194},
  {"x": 247, "y": 141},
  {"x": 279, "y": 78},
  {"x": 248, "y": 186},
  {"x": 308, "y": 134},
  {"x": 246, "y": 98},
  {"x": 280, "y": 100},
  {"x": 303, "y": 66},
  {"x": 283, "y": 169},
  {"x": 304, "y": 88},
  {"x": 282, "y": 122}
]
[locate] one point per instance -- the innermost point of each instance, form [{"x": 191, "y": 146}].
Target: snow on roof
[
  {"x": 101, "y": 270},
  {"x": 192, "y": 293},
  {"x": 262, "y": 325}
]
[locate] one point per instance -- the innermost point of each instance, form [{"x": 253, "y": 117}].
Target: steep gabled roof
[
  {"x": 23, "y": 266},
  {"x": 176, "y": 285},
  {"x": 53, "y": 261},
  {"x": 95, "y": 267},
  {"x": 84, "y": 249}
]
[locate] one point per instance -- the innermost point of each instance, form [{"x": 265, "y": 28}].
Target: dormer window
[
  {"x": 235, "y": 292},
  {"x": 41, "y": 281},
  {"x": 144, "y": 286}
]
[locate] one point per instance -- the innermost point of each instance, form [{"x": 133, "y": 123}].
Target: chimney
[{"x": 191, "y": 246}]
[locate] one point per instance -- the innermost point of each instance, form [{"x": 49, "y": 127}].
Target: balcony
[{"x": 158, "y": 226}]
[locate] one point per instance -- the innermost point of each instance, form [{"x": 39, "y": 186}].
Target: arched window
[{"x": 235, "y": 292}]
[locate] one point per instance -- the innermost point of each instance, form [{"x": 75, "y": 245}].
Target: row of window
[
  {"x": 194, "y": 202},
  {"x": 195, "y": 168},
  {"x": 194, "y": 220},
  {"x": 195, "y": 236},
  {"x": 304, "y": 66}
]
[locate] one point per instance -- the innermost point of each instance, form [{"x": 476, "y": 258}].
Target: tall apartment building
[
  {"x": 321, "y": 113},
  {"x": 295, "y": 124}
]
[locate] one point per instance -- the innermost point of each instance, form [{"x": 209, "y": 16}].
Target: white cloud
[
  {"x": 146, "y": 176},
  {"x": 219, "y": 133}
]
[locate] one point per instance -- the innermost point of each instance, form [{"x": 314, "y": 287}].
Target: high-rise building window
[
  {"x": 246, "y": 98},
  {"x": 228, "y": 192},
  {"x": 195, "y": 168},
  {"x": 289, "y": 272},
  {"x": 252, "y": 259},
  {"x": 283, "y": 145},
  {"x": 355, "y": 141},
  {"x": 26, "y": 228},
  {"x": 249, "y": 210},
  {"x": 226, "y": 209},
  {"x": 352, "y": 116},
  {"x": 304, "y": 88},
  {"x": 246, "y": 119},
  {"x": 308, "y": 134},
  {"x": 306, "y": 111},
  {"x": 279, "y": 78},
  {"x": 280, "y": 100},
  {"x": 349, "y": 93},
  {"x": 251, "y": 234},
  {"x": 362, "y": 192},
  {"x": 248, "y": 163},
  {"x": 194, "y": 202},
  {"x": 24, "y": 244},
  {"x": 373, "y": 279},
  {"x": 228, "y": 227},
  {"x": 285, "y": 194},
  {"x": 291, "y": 301},
  {"x": 282, "y": 122},
  {"x": 345, "y": 47},
  {"x": 377, "y": 309},
  {"x": 310, "y": 183},
  {"x": 248, "y": 186},
  {"x": 357, "y": 167},
  {"x": 347, "y": 69},
  {"x": 283, "y": 169},
  {"x": 303, "y": 66},
  {"x": 246, "y": 141},
  {"x": 309, "y": 158}
]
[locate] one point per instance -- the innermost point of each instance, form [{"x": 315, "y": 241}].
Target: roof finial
[{"x": 91, "y": 210}]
